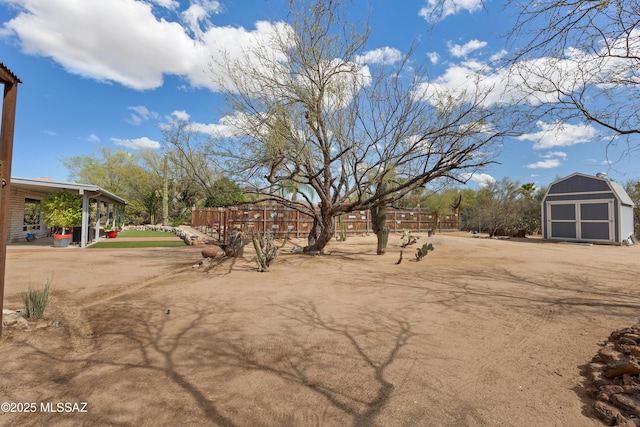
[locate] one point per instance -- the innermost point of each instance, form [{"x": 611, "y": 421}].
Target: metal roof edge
[{"x": 67, "y": 186}]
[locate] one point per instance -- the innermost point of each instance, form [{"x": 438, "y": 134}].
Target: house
[
  {"x": 24, "y": 209},
  {"x": 585, "y": 208}
]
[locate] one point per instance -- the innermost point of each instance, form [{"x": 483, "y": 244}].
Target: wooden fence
[{"x": 282, "y": 221}]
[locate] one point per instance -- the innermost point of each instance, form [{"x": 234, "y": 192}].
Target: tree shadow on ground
[
  {"x": 199, "y": 350},
  {"x": 321, "y": 369}
]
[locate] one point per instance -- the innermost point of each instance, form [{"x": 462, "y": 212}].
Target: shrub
[
  {"x": 35, "y": 300},
  {"x": 62, "y": 210}
]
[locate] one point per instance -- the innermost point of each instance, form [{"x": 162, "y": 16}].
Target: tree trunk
[{"x": 321, "y": 234}]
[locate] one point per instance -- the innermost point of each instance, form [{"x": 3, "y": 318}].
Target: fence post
[{"x": 395, "y": 221}]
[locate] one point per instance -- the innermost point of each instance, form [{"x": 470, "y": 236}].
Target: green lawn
[
  {"x": 140, "y": 241},
  {"x": 114, "y": 243},
  {"x": 143, "y": 233}
]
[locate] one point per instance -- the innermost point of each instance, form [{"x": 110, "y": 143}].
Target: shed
[{"x": 586, "y": 208}]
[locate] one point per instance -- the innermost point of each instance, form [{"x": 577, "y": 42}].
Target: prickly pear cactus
[{"x": 423, "y": 251}]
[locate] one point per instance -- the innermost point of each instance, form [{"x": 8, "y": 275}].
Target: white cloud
[
  {"x": 557, "y": 134},
  {"x": 498, "y": 55},
  {"x": 93, "y": 138},
  {"x": 552, "y": 159},
  {"x": 433, "y": 57},
  {"x": 227, "y": 126},
  {"x": 140, "y": 114},
  {"x": 123, "y": 41},
  {"x": 532, "y": 82},
  {"x": 383, "y": 55},
  {"x": 196, "y": 16},
  {"x": 466, "y": 79},
  {"x": 223, "y": 129},
  {"x": 180, "y": 115},
  {"x": 545, "y": 164},
  {"x": 169, "y": 4},
  {"x": 482, "y": 179},
  {"x": 435, "y": 10},
  {"x": 465, "y": 49},
  {"x": 552, "y": 154},
  {"x": 137, "y": 144}
]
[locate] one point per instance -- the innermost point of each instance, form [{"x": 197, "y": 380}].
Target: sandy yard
[{"x": 481, "y": 333}]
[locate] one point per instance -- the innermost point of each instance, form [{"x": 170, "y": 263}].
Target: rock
[
  {"x": 209, "y": 252},
  {"x": 628, "y": 402},
  {"x": 620, "y": 367},
  {"x": 612, "y": 389},
  {"x": 607, "y": 413},
  {"x": 608, "y": 354},
  {"x": 13, "y": 319},
  {"x": 613, "y": 379},
  {"x": 633, "y": 350},
  {"x": 633, "y": 337},
  {"x": 598, "y": 379}
]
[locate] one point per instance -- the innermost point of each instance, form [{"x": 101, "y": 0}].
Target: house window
[{"x": 31, "y": 215}]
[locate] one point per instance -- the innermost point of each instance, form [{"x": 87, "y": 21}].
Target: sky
[{"x": 112, "y": 72}]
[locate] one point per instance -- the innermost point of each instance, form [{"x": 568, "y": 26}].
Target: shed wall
[{"x": 626, "y": 223}]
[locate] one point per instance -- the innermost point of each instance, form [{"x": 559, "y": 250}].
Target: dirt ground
[{"x": 482, "y": 332}]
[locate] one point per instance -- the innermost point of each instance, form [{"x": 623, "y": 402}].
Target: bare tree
[
  {"x": 580, "y": 59},
  {"x": 310, "y": 107}
]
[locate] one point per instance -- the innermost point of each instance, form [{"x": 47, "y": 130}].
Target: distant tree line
[
  {"x": 503, "y": 207},
  {"x": 140, "y": 180}
]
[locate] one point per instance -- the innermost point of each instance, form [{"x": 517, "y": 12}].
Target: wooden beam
[{"x": 6, "y": 151}]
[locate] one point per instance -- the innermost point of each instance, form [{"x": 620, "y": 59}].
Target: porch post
[{"x": 84, "y": 237}]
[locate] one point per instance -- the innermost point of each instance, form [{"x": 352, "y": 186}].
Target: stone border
[
  {"x": 613, "y": 379},
  {"x": 187, "y": 234}
]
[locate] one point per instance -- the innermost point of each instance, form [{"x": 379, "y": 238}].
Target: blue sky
[{"x": 111, "y": 72}]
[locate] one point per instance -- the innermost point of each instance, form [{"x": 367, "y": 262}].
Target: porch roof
[{"x": 46, "y": 186}]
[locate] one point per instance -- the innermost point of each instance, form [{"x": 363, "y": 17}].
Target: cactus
[
  {"x": 378, "y": 218},
  {"x": 342, "y": 237},
  {"x": 408, "y": 239},
  {"x": 378, "y": 222},
  {"x": 234, "y": 248},
  {"x": 423, "y": 251},
  {"x": 383, "y": 238},
  {"x": 266, "y": 251}
]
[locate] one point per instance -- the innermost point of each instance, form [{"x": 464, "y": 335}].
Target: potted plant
[
  {"x": 111, "y": 232},
  {"x": 62, "y": 211}
]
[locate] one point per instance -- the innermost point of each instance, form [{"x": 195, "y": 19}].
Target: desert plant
[
  {"x": 408, "y": 239},
  {"x": 234, "y": 247},
  {"x": 378, "y": 222},
  {"x": 342, "y": 237},
  {"x": 423, "y": 251},
  {"x": 35, "y": 300},
  {"x": 266, "y": 250}
]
